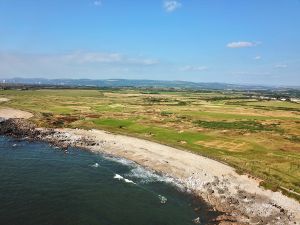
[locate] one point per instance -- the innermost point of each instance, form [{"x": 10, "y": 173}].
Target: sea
[{"x": 43, "y": 185}]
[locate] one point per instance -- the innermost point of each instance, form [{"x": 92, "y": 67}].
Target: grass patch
[
  {"x": 236, "y": 125},
  {"x": 166, "y": 113},
  {"x": 113, "y": 123}
]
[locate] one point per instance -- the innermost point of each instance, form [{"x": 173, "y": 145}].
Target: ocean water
[{"x": 41, "y": 185}]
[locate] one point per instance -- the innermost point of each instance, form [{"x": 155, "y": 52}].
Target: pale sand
[
  {"x": 9, "y": 113},
  {"x": 4, "y": 99},
  {"x": 195, "y": 172}
]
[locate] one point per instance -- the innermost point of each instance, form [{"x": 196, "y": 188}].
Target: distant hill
[{"x": 134, "y": 83}]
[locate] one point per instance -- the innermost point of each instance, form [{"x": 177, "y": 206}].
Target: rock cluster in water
[{"x": 24, "y": 129}]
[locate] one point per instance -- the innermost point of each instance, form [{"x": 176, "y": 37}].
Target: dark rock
[
  {"x": 221, "y": 191},
  {"x": 232, "y": 200},
  {"x": 210, "y": 191}
]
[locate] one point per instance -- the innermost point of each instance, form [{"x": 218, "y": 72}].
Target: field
[{"x": 257, "y": 137}]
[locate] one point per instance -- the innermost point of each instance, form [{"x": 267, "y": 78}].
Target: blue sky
[{"x": 233, "y": 41}]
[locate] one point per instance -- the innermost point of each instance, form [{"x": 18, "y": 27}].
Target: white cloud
[
  {"x": 244, "y": 73},
  {"x": 71, "y": 63},
  {"x": 171, "y": 6},
  {"x": 91, "y": 57},
  {"x": 281, "y": 66},
  {"x": 257, "y": 57},
  {"x": 241, "y": 44},
  {"x": 145, "y": 62},
  {"x": 194, "y": 68},
  {"x": 103, "y": 57},
  {"x": 98, "y": 3}
]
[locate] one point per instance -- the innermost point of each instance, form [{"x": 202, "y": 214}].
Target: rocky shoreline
[{"x": 224, "y": 193}]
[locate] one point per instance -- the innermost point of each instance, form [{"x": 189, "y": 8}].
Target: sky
[{"x": 231, "y": 41}]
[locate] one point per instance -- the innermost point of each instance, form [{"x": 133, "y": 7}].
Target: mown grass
[{"x": 261, "y": 142}]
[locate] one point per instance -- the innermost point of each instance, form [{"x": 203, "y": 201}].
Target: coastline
[{"x": 239, "y": 197}]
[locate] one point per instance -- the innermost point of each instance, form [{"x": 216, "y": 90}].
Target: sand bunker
[
  {"x": 8, "y": 113},
  {"x": 4, "y": 99}
]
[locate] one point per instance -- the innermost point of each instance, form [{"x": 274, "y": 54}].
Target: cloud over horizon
[
  {"x": 241, "y": 44},
  {"x": 79, "y": 57},
  {"x": 104, "y": 57},
  {"x": 12, "y": 63},
  {"x": 193, "y": 68},
  {"x": 281, "y": 66}
]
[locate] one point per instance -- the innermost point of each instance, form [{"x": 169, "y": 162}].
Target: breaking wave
[
  {"x": 120, "y": 160},
  {"x": 119, "y": 177},
  {"x": 128, "y": 181},
  {"x": 147, "y": 176},
  {"x": 141, "y": 174},
  {"x": 95, "y": 165}
]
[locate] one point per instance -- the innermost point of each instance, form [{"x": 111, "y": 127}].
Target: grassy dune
[{"x": 256, "y": 137}]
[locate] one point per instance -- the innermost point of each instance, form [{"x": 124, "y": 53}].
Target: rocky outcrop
[
  {"x": 17, "y": 128},
  {"x": 24, "y": 129}
]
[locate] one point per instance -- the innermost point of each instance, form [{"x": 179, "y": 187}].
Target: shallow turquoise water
[{"x": 42, "y": 185}]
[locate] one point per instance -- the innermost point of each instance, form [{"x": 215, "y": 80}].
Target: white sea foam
[
  {"x": 119, "y": 177},
  {"x": 147, "y": 176},
  {"x": 129, "y": 181},
  {"x": 120, "y": 160},
  {"x": 163, "y": 199},
  {"x": 96, "y": 165},
  {"x": 144, "y": 175}
]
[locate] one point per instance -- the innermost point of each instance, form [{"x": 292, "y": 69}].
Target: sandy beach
[{"x": 239, "y": 197}]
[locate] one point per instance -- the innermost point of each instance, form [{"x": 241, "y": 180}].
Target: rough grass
[{"x": 248, "y": 125}]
